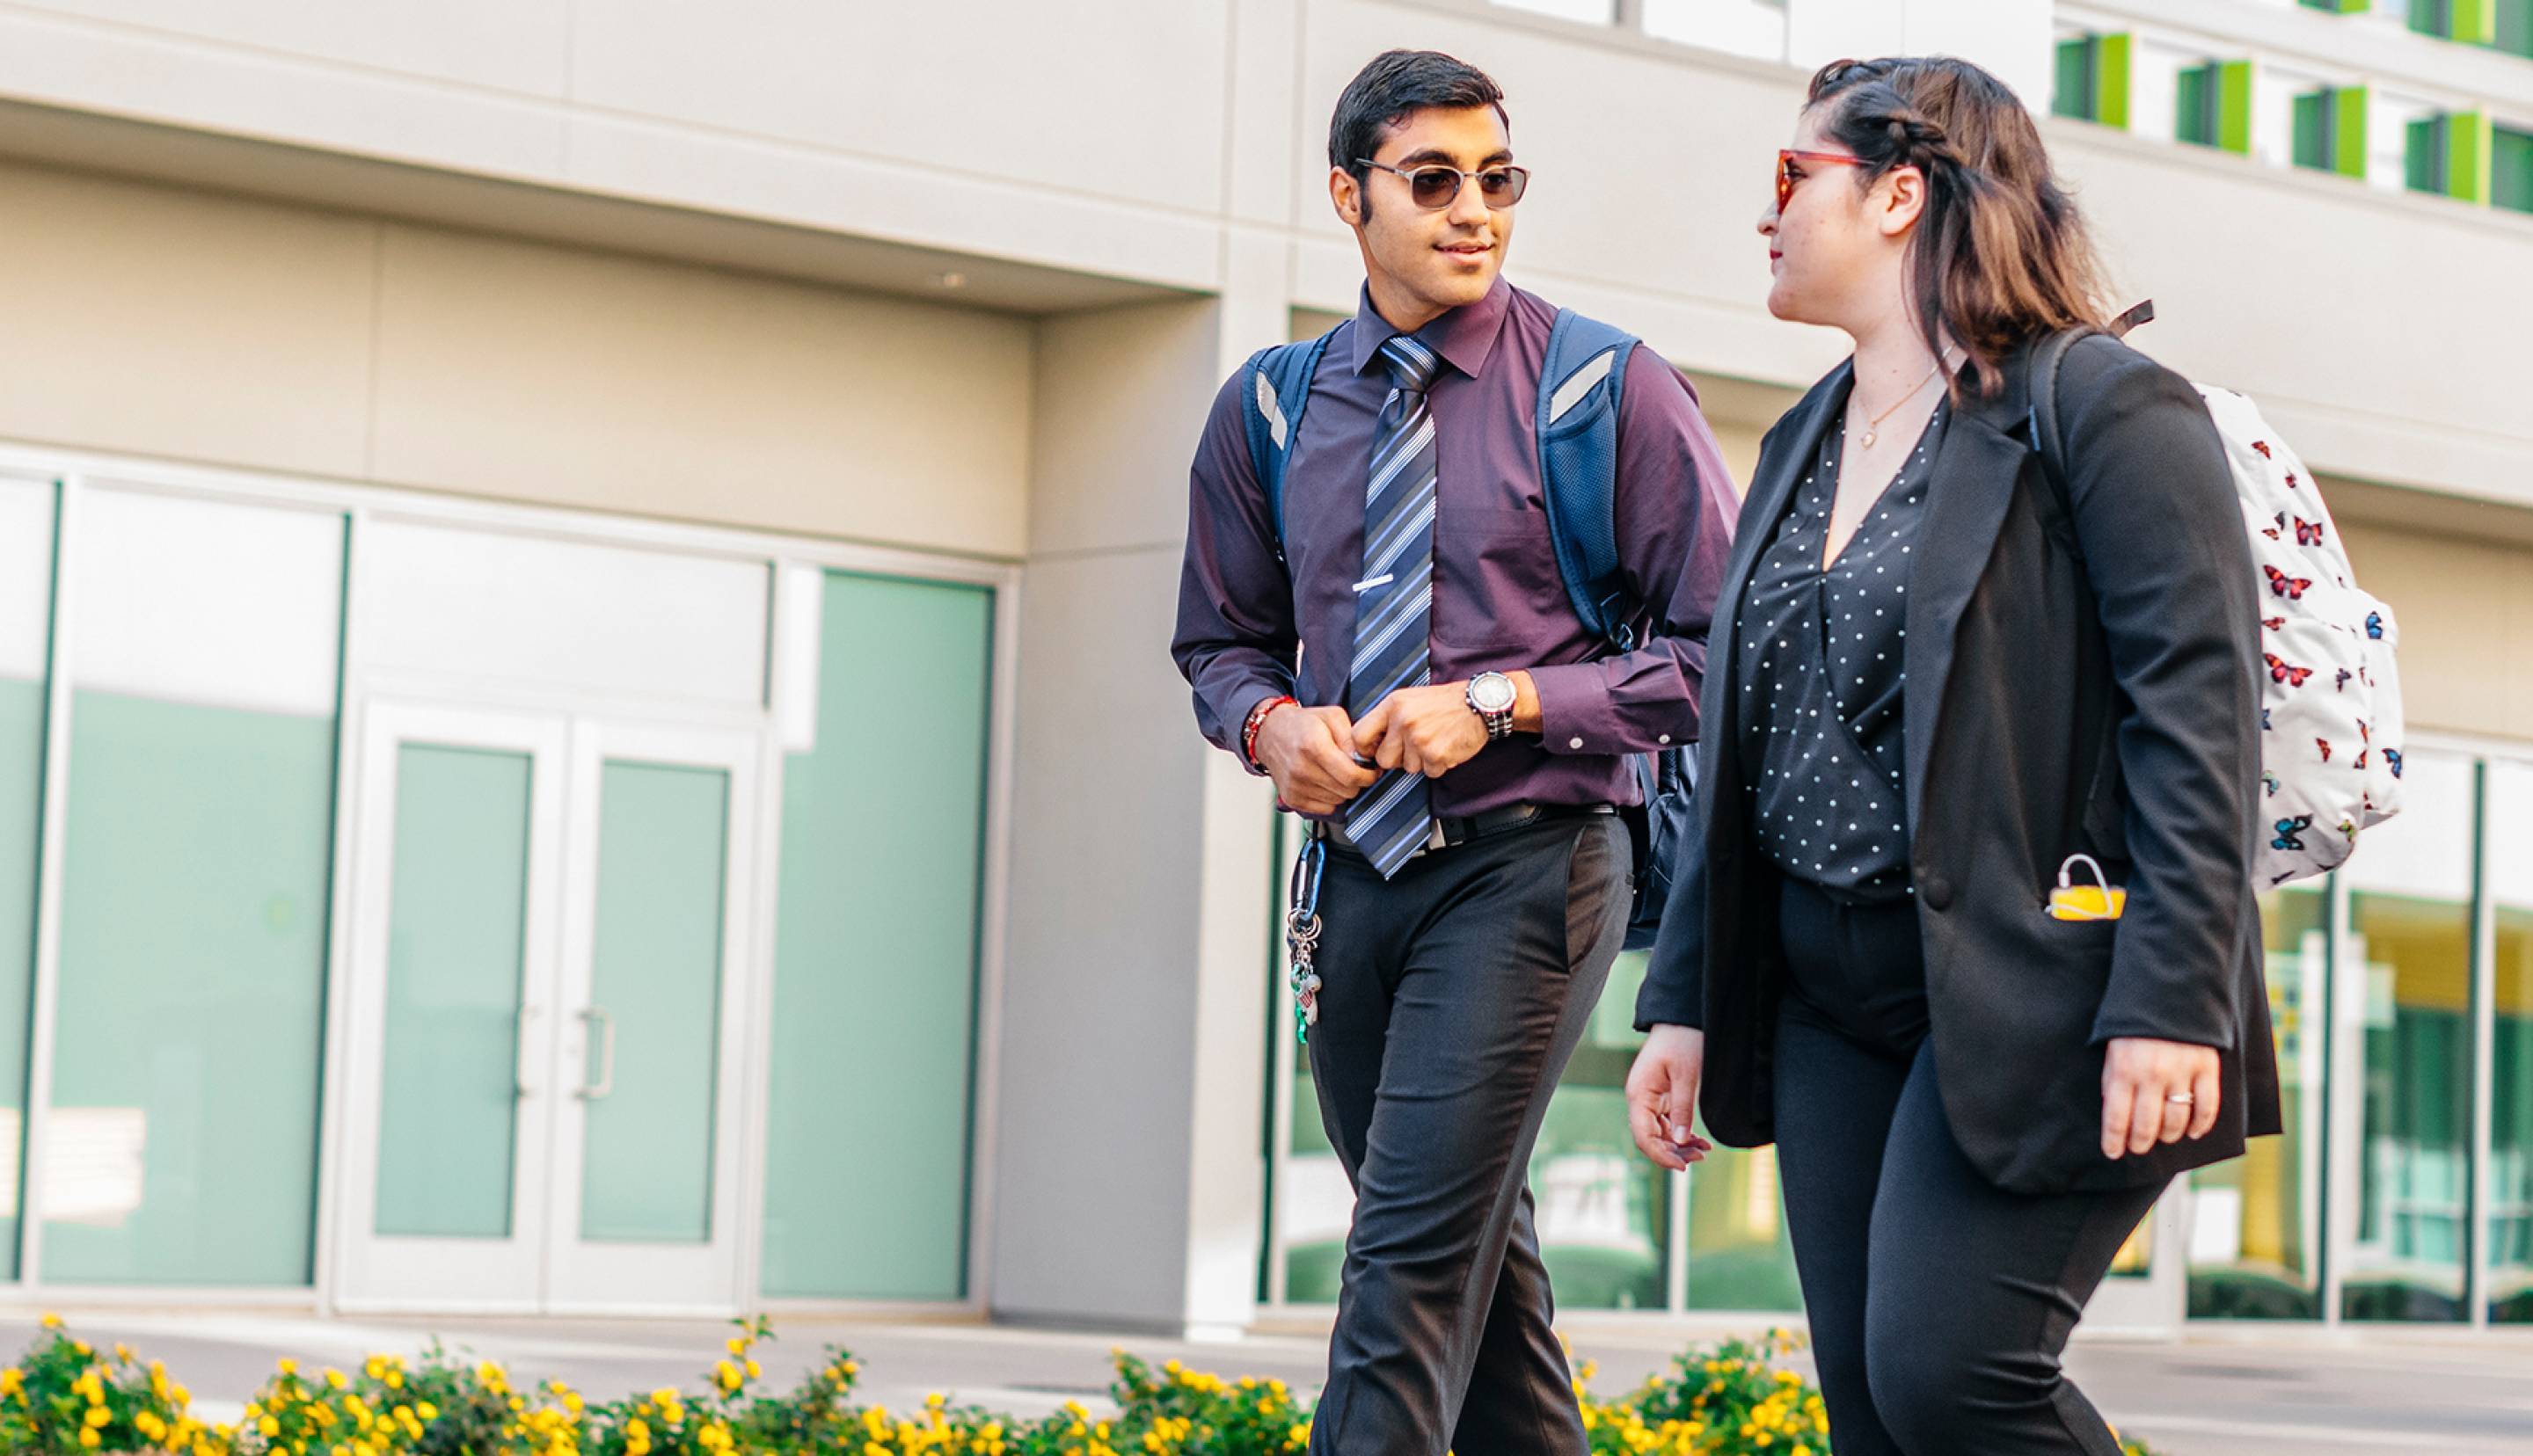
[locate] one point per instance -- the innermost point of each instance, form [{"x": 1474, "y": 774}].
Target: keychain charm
[{"x": 1302, "y": 933}]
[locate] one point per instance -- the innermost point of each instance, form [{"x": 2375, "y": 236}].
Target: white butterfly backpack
[{"x": 2330, "y": 696}]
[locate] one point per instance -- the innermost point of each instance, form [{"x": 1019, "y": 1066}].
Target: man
[{"x": 1419, "y": 687}]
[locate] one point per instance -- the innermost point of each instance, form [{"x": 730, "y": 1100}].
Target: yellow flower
[{"x": 90, "y": 1439}]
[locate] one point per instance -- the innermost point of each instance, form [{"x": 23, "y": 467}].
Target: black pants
[
  {"x": 1451, "y": 999},
  {"x": 1938, "y": 1301}
]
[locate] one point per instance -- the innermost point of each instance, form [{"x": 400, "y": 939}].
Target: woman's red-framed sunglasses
[{"x": 1786, "y": 178}]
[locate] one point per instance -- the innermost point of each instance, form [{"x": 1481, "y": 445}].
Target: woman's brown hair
[{"x": 1999, "y": 256}]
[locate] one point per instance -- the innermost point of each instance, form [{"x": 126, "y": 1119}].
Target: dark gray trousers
[
  {"x": 1938, "y": 1301},
  {"x": 1451, "y": 999}
]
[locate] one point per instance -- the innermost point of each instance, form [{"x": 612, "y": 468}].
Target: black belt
[{"x": 1461, "y": 829}]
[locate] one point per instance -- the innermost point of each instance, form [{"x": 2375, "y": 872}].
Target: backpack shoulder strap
[
  {"x": 1579, "y": 388},
  {"x": 2047, "y": 436},
  {"x": 1277, "y": 383}
]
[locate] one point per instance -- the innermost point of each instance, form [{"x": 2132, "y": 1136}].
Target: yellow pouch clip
[{"x": 2100, "y": 901}]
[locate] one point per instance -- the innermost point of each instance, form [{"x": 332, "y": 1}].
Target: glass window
[
  {"x": 2330, "y": 129},
  {"x": 2410, "y": 959},
  {"x": 647, "y": 1161},
  {"x": 1604, "y": 1208},
  {"x": 456, "y": 947},
  {"x": 2193, "y": 111},
  {"x": 26, "y": 513},
  {"x": 2422, "y": 155},
  {"x": 2512, "y": 27},
  {"x": 2433, "y": 17},
  {"x": 2511, "y": 1140},
  {"x": 2212, "y": 105},
  {"x": 2511, "y": 182},
  {"x": 2072, "y": 95},
  {"x": 2256, "y": 1227},
  {"x": 181, "y": 1145},
  {"x": 876, "y": 949}
]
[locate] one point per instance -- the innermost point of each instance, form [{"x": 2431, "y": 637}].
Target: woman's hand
[
  {"x": 1661, "y": 1096},
  {"x": 2141, "y": 1077}
]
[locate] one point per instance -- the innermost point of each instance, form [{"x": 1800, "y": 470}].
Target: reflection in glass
[
  {"x": 25, "y": 644},
  {"x": 2509, "y": 870},
  {"x": 2256, "y": 1224},
  {"x": 1603, "y": 1210},
  {"x": 647, "y": 1151},
  {"x": 2411, "y": 918},
  {"x": 456, "y": 945}
]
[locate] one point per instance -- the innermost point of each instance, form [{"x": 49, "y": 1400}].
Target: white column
[{"x": 2010, "y": 37}]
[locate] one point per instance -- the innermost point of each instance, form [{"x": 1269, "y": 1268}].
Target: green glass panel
[
  {"x": 2194, "y": 110},
  {"x": 183, "y": 1132},
  {"x": 2511, "y": 1140},
  {"x": 2512, "y": 30},
  {"x": 2433, "y": 17},
  {"x": 2257, "y": 1219},
  {"x": 2511, "y": 170},
  {"x": 2424, "y": 154},
  {"x": 647, "y": 1153},
  {"x": 877, "y": 950},
  {"x": 2313, "y": 119},
  {"x": 21, "y": 774},
  {"x": 2472, "y": 21},
  {"x": 1604, "y": 1209},
  {"x": 1739, "y": 1254},
  {"x": 2413, "y": 1238},
  {"x": 458, "y": 924},
  {"x": 2072, "y": 95}
]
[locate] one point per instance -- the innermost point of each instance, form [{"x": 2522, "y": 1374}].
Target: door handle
[
  {"x": 606, "y": 1083},
  {"x": 518, "y": 1059}
]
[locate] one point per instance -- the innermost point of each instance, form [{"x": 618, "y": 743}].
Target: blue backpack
[{"x": 1578, "y": 466}]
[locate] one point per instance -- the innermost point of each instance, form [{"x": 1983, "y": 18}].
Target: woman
[{"x": 1947, "y": 671}]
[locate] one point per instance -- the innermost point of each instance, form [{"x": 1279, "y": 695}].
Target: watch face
[{"x": 1492, "y": 694}]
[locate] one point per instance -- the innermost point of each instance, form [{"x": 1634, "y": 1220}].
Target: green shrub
[{"x": 65, "y": 1399}]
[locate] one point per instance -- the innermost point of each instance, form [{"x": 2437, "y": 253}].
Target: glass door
[
  {"x": 453, "y": 1009},
  {"x": 543, "y": 1054},
  {"x": 642, "y": 1201}
]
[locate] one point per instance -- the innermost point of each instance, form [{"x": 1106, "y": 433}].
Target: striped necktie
[{"x": 1394, "y": 605}]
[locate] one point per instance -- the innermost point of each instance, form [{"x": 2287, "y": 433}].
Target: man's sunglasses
[
  {"x": 1787, "y": 176},
  {"x": 1436, "y": 188}
]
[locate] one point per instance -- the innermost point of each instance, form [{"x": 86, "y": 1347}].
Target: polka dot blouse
[{"x": 1822, "y": 678}]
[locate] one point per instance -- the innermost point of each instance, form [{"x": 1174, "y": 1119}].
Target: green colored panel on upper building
[
  {"x": 2511, "y": 27},
  {"x": 2092, "y": 80},
  {"x": 2234, "y": 106},
  {"x": 2510, "y": 181}
]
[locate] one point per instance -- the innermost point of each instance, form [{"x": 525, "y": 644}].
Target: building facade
[{"x": 585, "y": 716}]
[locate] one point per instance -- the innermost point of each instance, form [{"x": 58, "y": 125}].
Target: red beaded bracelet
[{"x": 1257, "y": 720}]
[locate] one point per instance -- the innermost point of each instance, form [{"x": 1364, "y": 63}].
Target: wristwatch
[{"x": 1490, "y": 697}]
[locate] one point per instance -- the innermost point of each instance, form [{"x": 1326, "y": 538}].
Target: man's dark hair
[{"x": 1384, "y": 91}]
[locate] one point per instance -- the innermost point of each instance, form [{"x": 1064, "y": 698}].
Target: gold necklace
[{"x": 1866, "y": 440}]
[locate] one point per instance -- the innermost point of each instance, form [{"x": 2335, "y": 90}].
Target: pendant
[{"x": 1866, "y": 440}]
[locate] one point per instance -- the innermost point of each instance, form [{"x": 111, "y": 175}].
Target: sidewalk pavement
[{"x": 2258, "y": 1391}]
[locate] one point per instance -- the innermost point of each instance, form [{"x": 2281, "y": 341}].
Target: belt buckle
[{"x": 1437, "y": 839}]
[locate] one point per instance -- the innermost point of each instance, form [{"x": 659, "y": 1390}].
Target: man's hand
[
  {"x": 2141, "y": 1077},
  {"x": 1310, "y": 754},
  {"x": 1661, "y": 1096},
  {"x": 1427, "y": 730}
]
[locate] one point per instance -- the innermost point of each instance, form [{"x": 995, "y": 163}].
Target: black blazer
[{"x": 2073, "y": 686}]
